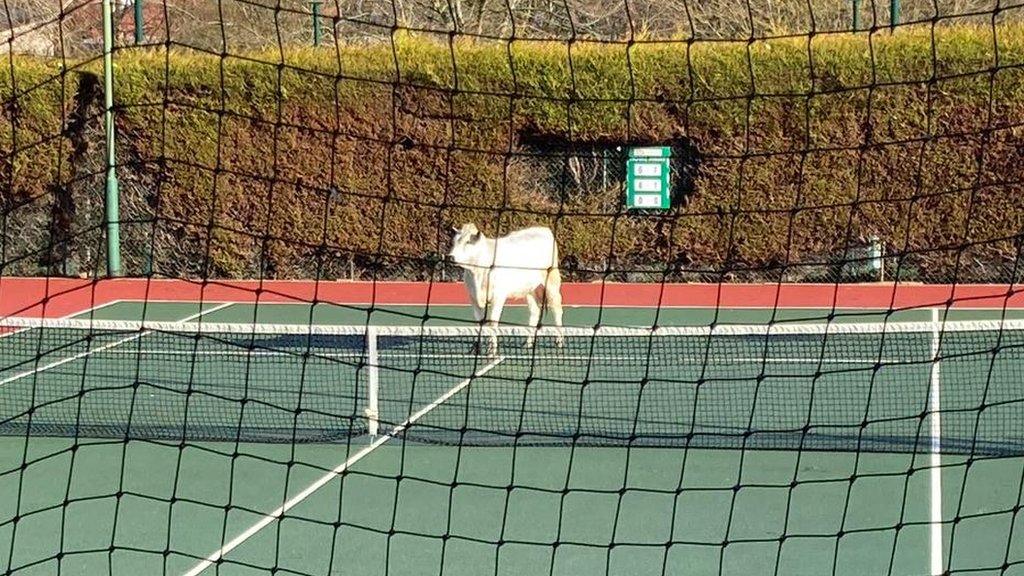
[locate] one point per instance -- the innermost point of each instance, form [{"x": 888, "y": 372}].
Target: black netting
[{"x": 293, "y": 165}]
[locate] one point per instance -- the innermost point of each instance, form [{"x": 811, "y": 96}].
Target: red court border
[{"x": 55, "y": 297}]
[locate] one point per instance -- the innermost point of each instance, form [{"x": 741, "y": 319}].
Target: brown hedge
[{"x": 363, "y": 158}]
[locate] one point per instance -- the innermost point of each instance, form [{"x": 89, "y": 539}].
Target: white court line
[
  {"x": 66, "y": 317},
  {"x": 935, "y": 458},
  {"x": 91, "y": 351},
  {"x": 962, "y": 305},
  {"x": 298, "y": 498}
]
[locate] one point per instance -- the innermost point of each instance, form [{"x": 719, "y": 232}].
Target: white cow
[{"x": 522, "y": 264}]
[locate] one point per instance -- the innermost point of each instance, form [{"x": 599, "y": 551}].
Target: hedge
[{"x": 316, "y": 161}]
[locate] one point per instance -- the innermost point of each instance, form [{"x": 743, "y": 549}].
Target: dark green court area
[
  {"x": 143, "y": 453},
  {"x": 585, "y": 316},
  {"x": 395, "y": 510}
]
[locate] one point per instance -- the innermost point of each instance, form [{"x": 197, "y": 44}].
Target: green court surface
[
  {"x": 325, "y": 313},
  {"x": 159, "y": 506}
]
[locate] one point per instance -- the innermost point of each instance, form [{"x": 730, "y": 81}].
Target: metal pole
[
  {"x": 875, "y": 260},
  {"x": 112, "y": 212},
  {"x": 140, "y": 35},
  {"x": 372, "y": 411},
  {"x": 894, "y": 13},
  {"x": 856, "y": 15},
  {"x": 315, "y": 7},
  {"x": 604, "y": 169}
]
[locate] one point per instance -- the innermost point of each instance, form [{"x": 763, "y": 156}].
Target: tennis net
[{"x": 835, "y": 386}]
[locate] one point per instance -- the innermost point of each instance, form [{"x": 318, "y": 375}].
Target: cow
[{"x": 522, "y": 264}]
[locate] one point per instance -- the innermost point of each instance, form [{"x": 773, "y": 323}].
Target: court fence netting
[{"x": 227, "y": 146}]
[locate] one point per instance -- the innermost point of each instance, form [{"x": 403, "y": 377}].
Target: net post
[
  {"x": 935, "y": 450},
  {"x": 372, "y": 382},
  {"x": 140, "y": 34},
  {"x": 112, "y": 196},
  {"x": 315, "y": 9}
]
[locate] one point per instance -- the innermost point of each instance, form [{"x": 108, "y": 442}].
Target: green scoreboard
[{"x": 648, "y": 178}]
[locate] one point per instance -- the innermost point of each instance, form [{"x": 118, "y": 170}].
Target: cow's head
[{"x": 466, "y": 245}]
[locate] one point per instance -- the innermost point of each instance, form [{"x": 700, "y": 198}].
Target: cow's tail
[
  {"x": 553, "y": 293},
  {"x": 553, "y": 286},
  {"x": 553, "y": 280}
]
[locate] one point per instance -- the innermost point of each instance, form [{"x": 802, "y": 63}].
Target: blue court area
[{"x": 159, "y": 452}]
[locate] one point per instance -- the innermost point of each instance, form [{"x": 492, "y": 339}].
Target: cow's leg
[
  {"x": 553, "y": 299},
  {"x": 478, "y": 316},
  {"x": 493, "y": 317},
  {"x": 478, "y": 303},
  {"x": 535, "y": 310}
]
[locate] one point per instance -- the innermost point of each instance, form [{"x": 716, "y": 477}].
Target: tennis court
[{"x": 683, "y": 453}]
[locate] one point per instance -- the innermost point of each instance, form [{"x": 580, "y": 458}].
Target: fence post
[
  {"x": 112, "y": 195},
  {"x": 604, "y": 169},
  {"x": 315, "y": 8},
  {"x": 856, "y": 15},
  {"x": 876, "y": 257},
  {"x": 140, "y": 35},
  {"x": 894, "y": 13}
]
